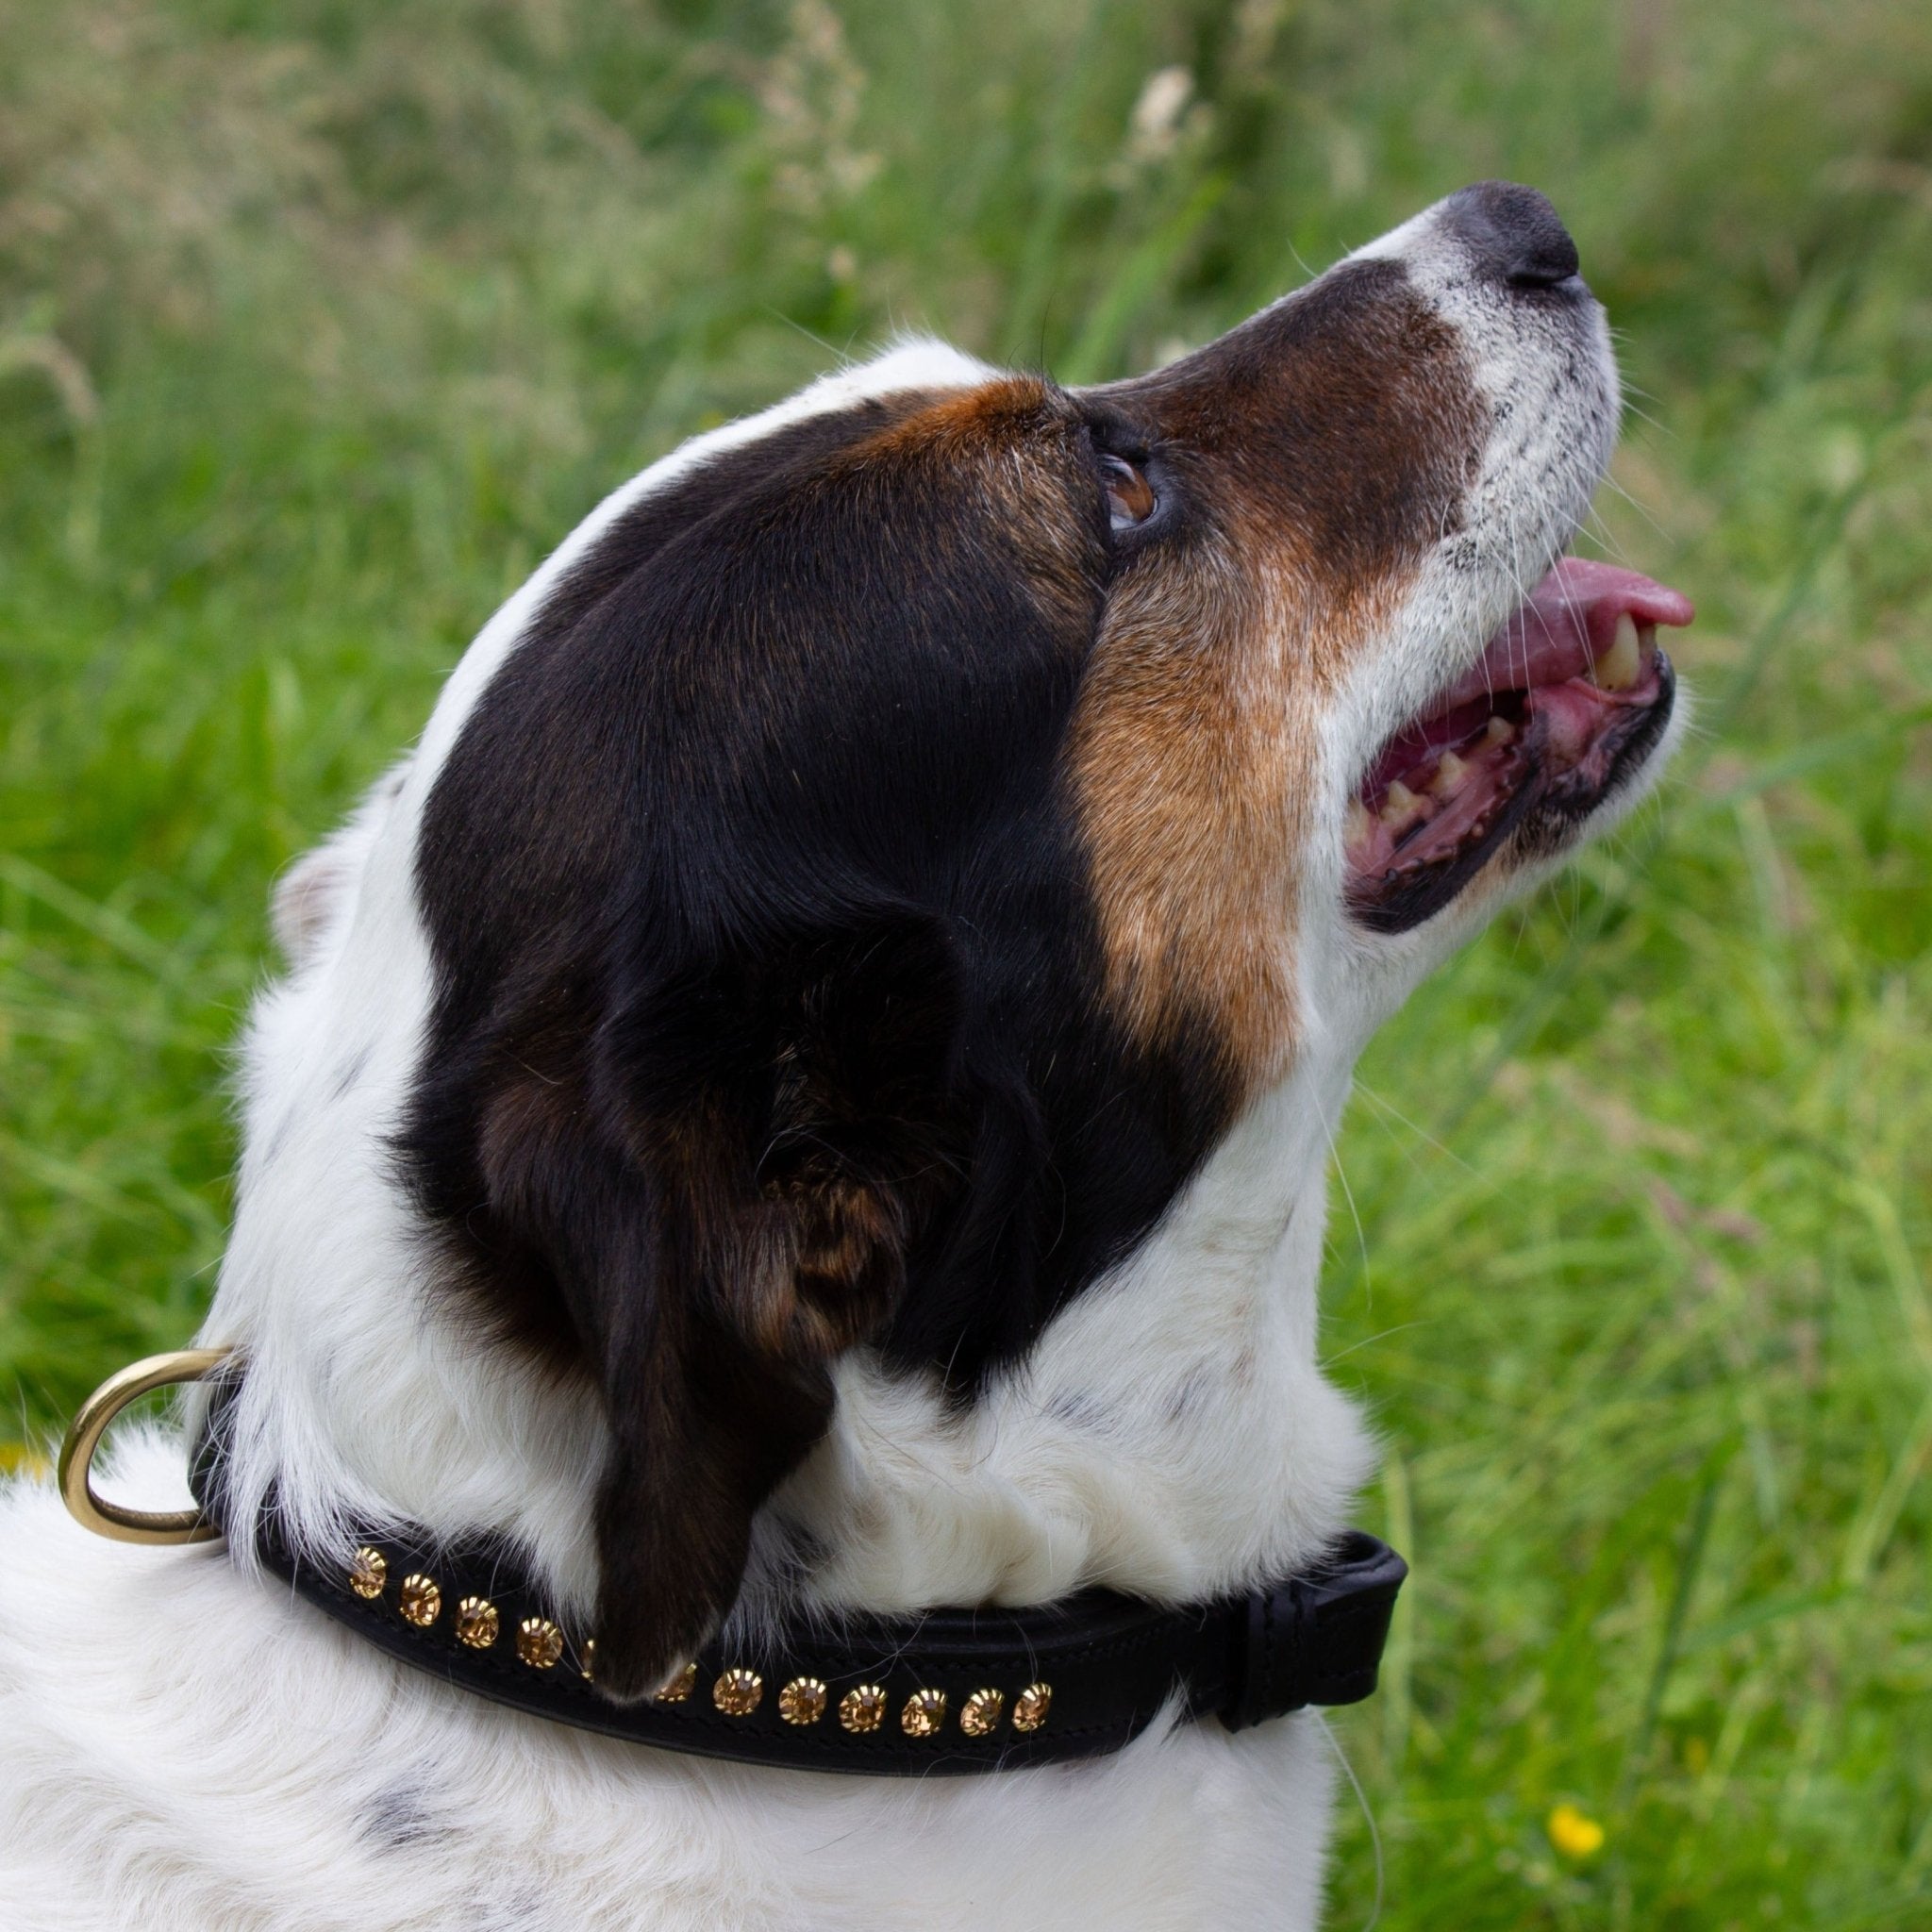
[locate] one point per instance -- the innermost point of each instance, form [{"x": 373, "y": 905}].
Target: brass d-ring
[{"x": 93, "y": 1510}]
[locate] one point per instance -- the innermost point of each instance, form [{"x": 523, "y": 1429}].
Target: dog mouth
[{"x": 1565, "y": 705}]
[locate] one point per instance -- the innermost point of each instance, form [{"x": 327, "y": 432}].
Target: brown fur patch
[
  {"x": 1316, "y": 467},
  {"x": 1187, "y": 752},
  {"x": 967, "y": 423}
]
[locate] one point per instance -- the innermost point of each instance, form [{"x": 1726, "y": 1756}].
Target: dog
[{"x": 808, "y": 1091}]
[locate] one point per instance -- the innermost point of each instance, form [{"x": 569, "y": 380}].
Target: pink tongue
[{"x": 1569, "y": 622}]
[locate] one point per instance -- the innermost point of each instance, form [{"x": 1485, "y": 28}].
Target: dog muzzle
[{"x": 949, "y": 1690}]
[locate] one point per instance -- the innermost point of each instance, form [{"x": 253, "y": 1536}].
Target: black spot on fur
[{"x": 399, "y": 1818}]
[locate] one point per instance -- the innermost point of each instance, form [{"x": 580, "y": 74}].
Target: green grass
[{"x": 318, "y": 323}]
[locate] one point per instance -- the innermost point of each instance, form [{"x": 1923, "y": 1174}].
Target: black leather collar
[{"x": 945, "y": 1691}]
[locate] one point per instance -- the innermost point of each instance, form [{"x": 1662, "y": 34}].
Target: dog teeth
[
  {"x": 1499, "y": 731},
  {"x": 1361, "y": 823},
  {"x": 1449, "y": 774},
  {"x": 1620, "y": 667},
  {"x": 1400, "y": 803}
]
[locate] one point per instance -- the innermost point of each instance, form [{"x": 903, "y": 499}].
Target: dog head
[{"x": 845, "y": 897}]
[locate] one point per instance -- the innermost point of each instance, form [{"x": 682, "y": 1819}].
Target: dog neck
[{"x": 1169, "y": 1435}]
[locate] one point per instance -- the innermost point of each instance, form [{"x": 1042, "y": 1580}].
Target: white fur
[{"x": 185, "y": 1746}]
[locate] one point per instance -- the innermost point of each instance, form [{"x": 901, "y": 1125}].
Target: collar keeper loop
[{"x": 1317, "y": 1639}]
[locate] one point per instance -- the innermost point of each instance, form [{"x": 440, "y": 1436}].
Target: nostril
[
  {"x": 1513, "y": 235},
  {"x": 1543, "y": 265}
]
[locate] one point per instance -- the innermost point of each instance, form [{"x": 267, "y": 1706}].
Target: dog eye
[{"x": 1129, "y": 496}]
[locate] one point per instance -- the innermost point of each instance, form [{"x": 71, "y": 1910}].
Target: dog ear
[
  {"x": 306, "y": 900},
  {"x": 727, "y": 1206}
]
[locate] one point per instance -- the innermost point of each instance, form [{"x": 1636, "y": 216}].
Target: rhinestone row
[
  {"x": 419, "y": 1601},
  {"x": 736, "y": 1692}
]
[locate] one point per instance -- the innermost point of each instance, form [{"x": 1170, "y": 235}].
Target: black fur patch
[{"x": 766, "y": 1019}]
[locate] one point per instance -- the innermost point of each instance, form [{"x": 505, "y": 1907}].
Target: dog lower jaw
[
  {"x": 1566, "y": 704},
  {"x": 1535, "y": 806}
]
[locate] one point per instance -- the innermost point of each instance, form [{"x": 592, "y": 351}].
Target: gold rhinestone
[
  {"x": 476, "y": 1622},
  {"x": 1030, "y": 1707},
  {"x": 587, "y": 1665},
  {"x": 422, "y": 1600},
  {"x": 924, "y": 1712},
  {"x": 802, "y": 1701},
  {"x": 979, "y": 1716},
  {"x": 862, "y": 1708},
  {"x": 369, "y": 1571},
  {"x": 539, "y": 1642},
  {"x": 677, "y": 1686},
  {"x": 738, "y": 1691}
]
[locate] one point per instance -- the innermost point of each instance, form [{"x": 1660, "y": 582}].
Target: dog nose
[{"x": 1512, "y": 234}]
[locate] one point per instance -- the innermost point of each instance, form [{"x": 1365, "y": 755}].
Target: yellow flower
[
  {"x": 1573, "y": 1833},
  {"x": 16, "y": 1458}
]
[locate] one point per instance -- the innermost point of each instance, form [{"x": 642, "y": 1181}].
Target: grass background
[{"x": 320, "y": 323}]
